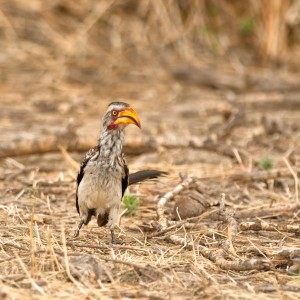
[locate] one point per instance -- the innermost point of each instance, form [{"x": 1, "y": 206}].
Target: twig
[
  {"x": 258, "y": 226},
  {"x": 232, "y": 225},
  {"x": 34, "y": 284},
  {"x": 218, "y": 257},
  {"x": 273, "y": 289},
  {"x": 67, "y": 269},
  {"x": 73, "y": 164},
  {"x": 160, "y": 209},
  {"x": 295, "y": 178},
  {"x": 176, "y": 224}
]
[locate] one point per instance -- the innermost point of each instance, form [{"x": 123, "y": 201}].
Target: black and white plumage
[{"x": 103, "y": 175}]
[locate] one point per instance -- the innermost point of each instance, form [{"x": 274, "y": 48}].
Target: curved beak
[{"x": 128, "y": 116}]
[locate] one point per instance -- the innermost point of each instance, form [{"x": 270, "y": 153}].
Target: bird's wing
[
  {"x": 124, "y": 177},
  {"x": 92, "y": 154}
]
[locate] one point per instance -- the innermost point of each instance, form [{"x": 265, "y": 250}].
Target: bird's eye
[{"x": 114, "y": 113}]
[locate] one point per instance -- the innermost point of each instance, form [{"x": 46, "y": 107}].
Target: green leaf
[
  {"x": 246, "y": 27},
  {"x": 266, "y": 163},
  {"x": 130, "y": 202}
]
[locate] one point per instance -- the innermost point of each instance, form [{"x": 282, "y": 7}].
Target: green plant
[
  {"x": 266, "y": 163},
  {"x": 246, "y": 27},
  {"x": 207, "y": 32},
  {"x": 131, "y": 203},
  {"x": 213, "y": 10}
]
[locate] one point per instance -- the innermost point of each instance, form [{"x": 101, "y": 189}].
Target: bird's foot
[{"x": 76, "y": 233}]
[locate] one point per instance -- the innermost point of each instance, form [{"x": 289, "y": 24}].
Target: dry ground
[
  {"x": 212, "y": 126},
  {"x": 39, "y": 259}
]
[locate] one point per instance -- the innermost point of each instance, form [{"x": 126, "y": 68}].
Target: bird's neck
[{"x": 111, "y": 144}]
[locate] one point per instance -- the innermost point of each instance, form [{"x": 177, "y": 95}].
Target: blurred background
[{"x": 188, "y": 67}]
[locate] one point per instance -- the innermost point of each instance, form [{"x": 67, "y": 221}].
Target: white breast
[{"x": 99, "y": 190}]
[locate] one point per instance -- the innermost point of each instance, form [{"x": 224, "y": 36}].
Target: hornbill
[{"x": 103, "y": 175}]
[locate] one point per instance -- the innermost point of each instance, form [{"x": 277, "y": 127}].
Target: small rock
[
  {"x": 187, "y": 208},
  {"x": 294, "y": 269},
  {"x": 88, "y": 267}
]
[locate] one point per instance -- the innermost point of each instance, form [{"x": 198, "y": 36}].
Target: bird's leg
[
  {"x": 76, "y": 234},
  {"x": 85, "y": 219},
  {"x": 112, "y": 221},
  {"x": 113, "y": 240}
]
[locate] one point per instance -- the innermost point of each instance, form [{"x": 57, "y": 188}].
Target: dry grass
[
  {"x": 60, "y": 59},
  {"x": 40, "y": 259},
  {"x": 91, "y": 43}
]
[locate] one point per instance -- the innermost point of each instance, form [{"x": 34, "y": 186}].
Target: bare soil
[{"x": 209, "y": 126}]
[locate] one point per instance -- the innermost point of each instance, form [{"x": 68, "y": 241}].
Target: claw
[{"x": 76, "y": 233}]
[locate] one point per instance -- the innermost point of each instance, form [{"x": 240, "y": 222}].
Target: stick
[
  {"x": 232, "y": 225},
  {"x": 295, "y": 178},
  {"x": 258, "y": 226},
  {"x": 218, "y": 257},
  {"x": 160, "y": 209}
]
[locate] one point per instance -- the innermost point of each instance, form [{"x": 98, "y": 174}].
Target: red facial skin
[
  {"x": 112, "y": 126},
  {"x": 114, "y": 115},
  {"x": 124, "y": 117}
]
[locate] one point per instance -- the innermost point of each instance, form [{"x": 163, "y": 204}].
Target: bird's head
[{"x": 119, "y": 115}]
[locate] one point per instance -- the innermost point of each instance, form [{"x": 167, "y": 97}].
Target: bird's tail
[{"x": 144, "y": 175}]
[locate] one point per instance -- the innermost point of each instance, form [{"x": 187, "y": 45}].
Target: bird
[{"x": 103, "y": 174}]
